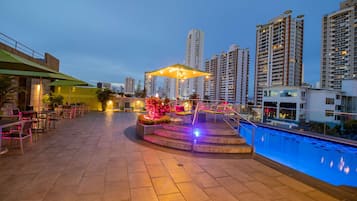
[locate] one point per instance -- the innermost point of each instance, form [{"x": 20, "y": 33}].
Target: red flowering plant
[{"x": 157, "y": 107}]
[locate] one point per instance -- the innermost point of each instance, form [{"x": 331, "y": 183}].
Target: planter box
[{"x": 142, "y": 129}]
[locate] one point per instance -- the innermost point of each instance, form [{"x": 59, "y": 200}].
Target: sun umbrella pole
[
  {"x": 177, "y": 87},
  {"x": 39, "y": 95}
]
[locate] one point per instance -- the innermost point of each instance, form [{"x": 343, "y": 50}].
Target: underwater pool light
[{"x": 196, "y": 133}]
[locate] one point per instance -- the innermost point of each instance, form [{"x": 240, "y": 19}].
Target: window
[
  {"x": 338, "y": 97},
  {"x": 288, "y": 93},
  {"x": 303, "y": 94},
  {"x": 301, "y": 106},
  {"x": 330, "y": 101},
  {"x": 274, "y": 93},
  {"x": 270, "y": 109},
  {"x": 287, "y": 111},
  {"x": 329, "y": 113}
]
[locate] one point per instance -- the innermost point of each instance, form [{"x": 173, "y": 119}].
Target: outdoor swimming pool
[{"x": 331, "y": 162}]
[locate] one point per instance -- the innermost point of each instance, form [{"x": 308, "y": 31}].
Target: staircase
[{"x": 212, "y": 138}]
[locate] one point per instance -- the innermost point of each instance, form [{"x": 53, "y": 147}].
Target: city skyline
[{"x": 96, "y": 41}]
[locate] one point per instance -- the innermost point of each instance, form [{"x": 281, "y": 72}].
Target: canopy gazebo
[{"x": 178, "y": 72}]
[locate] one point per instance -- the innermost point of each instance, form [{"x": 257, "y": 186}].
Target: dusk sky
[{"x": 113, "y": 39}]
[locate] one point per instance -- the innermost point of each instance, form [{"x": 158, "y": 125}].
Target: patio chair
[
  {"x": 52, "y": 119},
  {"x": 23, "y": 133},
  {"x": 180, "y": 112}
]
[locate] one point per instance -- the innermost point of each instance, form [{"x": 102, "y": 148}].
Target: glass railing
[{"x": 327, "y": 122}]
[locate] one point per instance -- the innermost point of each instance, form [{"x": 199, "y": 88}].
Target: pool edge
[{"x": 338, "y": 192}]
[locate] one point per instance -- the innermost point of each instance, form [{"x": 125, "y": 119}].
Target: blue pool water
[{"x": 331, "y": 162}]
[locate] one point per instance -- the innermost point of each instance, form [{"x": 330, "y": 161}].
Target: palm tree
[{"x": 103, "y": 96}]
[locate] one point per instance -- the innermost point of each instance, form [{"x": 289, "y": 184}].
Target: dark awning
[
  {"x": 11, "y": 64},
  {"x": 15, "y": 62},
  {"x": 35, "y": 74}
]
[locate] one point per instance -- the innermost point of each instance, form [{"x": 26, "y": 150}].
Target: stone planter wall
[{"x": 142, "y": 129}]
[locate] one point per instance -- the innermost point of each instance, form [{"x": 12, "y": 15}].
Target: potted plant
[{"x": 56, "y": 100}]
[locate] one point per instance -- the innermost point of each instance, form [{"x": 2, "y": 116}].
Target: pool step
[
  {"x": 197, "y": 147},
  {"x": 177, "y": 135}
]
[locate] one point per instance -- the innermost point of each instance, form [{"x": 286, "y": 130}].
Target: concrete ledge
[{"x": 142, "y": 129}]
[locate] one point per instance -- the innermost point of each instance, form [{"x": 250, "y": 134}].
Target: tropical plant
[
  {"x": 350, "y": 127},
  {"x": 56, "y": 100},
  {"x": 157, "y": 107},
  {"x": 52, "y": 100},
  {"x": 103, "y": 96}
]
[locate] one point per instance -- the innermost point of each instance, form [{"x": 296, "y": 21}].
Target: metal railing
[
  {"x": 236, "y": 118},
  {"x": 229, "y": 115},
  {"x": 7, "y": 40}
]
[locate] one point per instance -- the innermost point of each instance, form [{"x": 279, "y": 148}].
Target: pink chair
[{"x": 23, "y": 133}]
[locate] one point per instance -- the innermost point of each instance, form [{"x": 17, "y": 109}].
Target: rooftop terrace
[{"x": 97, "y": 157}]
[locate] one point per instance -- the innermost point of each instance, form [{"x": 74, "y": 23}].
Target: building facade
[
  {"x": 211, "y": 89},
  {"x": 349, "y": 100},
  {"x": 339, "y": 49},
  {"x": 129, "y": 86},
  {"x": 193, "y": 58},
  {"x": 150, "y": 85},
  {"x": 279, "y": 52},
  {"x": 302, "y": 104},
  {"x": 229, "y": 76}
]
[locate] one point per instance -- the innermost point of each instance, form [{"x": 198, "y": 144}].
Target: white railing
[{"x": 7, "y": 40}]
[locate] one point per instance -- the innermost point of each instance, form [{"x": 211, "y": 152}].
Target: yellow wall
[
  {"x": 88, "y": 96},
  {"x": 72, "y": 95}
]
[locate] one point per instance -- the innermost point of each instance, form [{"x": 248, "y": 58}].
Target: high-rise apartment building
[
  {"x": 129, "y": 86},
  {"x": 229, "y": 76},
  {"x": 211, "y": 89},
  {"x": 339, "y": 46},
  {"x": 194, "y": 58},
  {"x": 150, "y": 85},
  {"x": 279, "y": 50}
]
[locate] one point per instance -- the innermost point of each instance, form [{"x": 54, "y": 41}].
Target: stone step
[
  {"x": 206, "y": 131},
  {"x": 173, "y": 134},
  {"x": 166, "y": 142},
  {"x": 213, "y": 148},
  {"x": 203, "y": 138}
]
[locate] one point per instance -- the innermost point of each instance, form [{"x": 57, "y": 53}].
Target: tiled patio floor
[{"x": 91, "y": 158}]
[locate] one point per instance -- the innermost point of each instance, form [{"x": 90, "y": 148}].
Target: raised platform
[{"x": 204, "y": 138}]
